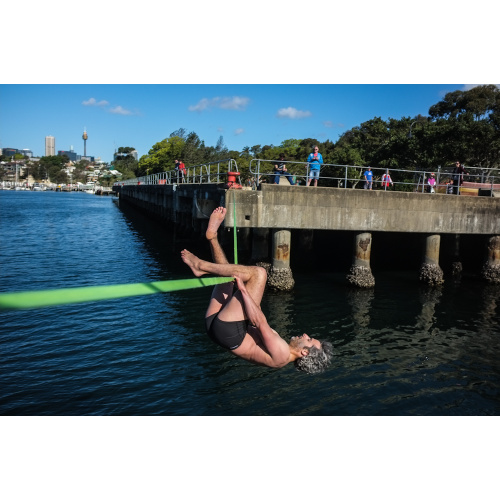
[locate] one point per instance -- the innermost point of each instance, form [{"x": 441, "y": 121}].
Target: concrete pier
[
  {"x": 307, "y": 211},
  {"x": 430, "y": 272},
  {"x": 360, "y": 274},
  {"x": 491, "y": 269}
]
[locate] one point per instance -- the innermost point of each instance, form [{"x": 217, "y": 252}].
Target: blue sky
[
  {"x": 140, "y": 115},
  {"x": 133, "y": 75}
]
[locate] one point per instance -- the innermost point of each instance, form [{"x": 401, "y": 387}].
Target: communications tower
[{"x": 85, "y": 137}]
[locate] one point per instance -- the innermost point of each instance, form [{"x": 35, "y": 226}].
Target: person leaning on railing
[{"x": 280, "y": 169}]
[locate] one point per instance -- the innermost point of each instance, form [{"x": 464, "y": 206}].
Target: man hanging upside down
[{"x": 234, "y": 319}]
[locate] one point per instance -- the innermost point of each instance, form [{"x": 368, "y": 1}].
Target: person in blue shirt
[
  {"x": 368, "y": 178},
  {"x": 314, "y": 162}
]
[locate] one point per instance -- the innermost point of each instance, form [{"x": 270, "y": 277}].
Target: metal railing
[
  {"x": 350, "y": 176},
  {"x": 213, "y": 172},
  {"x": 341, "y": 176}
]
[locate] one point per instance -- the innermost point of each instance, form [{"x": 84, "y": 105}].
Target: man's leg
[
  {"x": 218, "y": 255},
  {"x": 221, "y": 294},
  {"x": 250, "y": 275},
  {"x": 230, "y": 305},
  {"x": 254, "y": 277}
]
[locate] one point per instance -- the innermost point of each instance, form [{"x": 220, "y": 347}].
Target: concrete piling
[
  {"x": 280, "y": 275},
  {"x": 360, "y": 274},
  {"x": 430, "y": 271},
  {"x": 456, "y": 265},
  {"x": 491, "y": 268}
]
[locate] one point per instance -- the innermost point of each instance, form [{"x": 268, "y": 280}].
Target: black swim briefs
[{"x": 227, "y": 334}]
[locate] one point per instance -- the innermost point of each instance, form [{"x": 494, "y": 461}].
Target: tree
[
  {"x": 49, "y": 167},
  {"x": 126, "y": 163},
  {"x": 467, "y": 127},
  {"x": 161, "y": 157}
]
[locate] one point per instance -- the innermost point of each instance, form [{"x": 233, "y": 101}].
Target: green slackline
[
  {"x": 46, "y": 298},
  {"x": 62, "y": 296},
  {"x": 234, "y": 232}
]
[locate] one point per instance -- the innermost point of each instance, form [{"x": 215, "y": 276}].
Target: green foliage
[
  {"x": 161, "y": 157},
  {"x": 49, "y": 167},
  {"x": 465, "y": 125},
  {"x": 126, "y": 165}
]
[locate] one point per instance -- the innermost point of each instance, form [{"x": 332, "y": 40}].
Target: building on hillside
[
  {"x": 26, "y": 152},
  {"x": 70, "y": 154},
  {"x": 9, "y": 151}
]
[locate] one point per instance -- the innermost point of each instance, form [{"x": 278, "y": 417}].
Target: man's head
[{"x": 313, "y": 356}]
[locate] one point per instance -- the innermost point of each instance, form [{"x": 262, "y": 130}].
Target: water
[{"x": 400, "y": 349}]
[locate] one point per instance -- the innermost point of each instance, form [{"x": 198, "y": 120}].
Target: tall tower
[
  {"x": 50, "y": 146},
  {"x": 85, "y": 137}
]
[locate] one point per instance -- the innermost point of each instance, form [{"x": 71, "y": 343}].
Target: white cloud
[
  {"x": 239, "y": 131},
  {"x": 93, "y": 102},
  {"x": 235, "y": 103},
  {"x": 118, "y": 110},
  {"x": 328, "y": 123},
  {"x": 292, "y": 113}
]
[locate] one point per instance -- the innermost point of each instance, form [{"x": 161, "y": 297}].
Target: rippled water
[{"x": 400, "y": 349}]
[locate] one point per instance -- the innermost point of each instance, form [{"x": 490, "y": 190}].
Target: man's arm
[{"x": 274, "y": 344}]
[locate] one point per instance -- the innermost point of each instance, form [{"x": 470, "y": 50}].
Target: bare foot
[
  {"x": 215, "y": 221},
  {"x": 193, "y": 262}
]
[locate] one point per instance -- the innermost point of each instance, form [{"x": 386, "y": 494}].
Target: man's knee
[{"x": 260, "y": 273}]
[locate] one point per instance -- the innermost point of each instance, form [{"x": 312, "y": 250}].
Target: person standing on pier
[
  {"x": 386, "y": 179},
  {"x": 458, "y": 176},
  {"x": 368, "y": 175},
  {"x": 234, "y": 319},
  {"x": 180, "y": 168},
  {"x": 314, "y": 162}
]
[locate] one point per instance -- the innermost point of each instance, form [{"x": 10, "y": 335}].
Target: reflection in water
[
  {"x": 360, "y": 302},
  {"x": 280, "y": 311},
  {"x": 490, "y": 297},
  {"x": 429, "y": 298}
]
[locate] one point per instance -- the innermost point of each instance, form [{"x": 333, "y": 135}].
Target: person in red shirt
[{"x": 182, "y": 171}]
